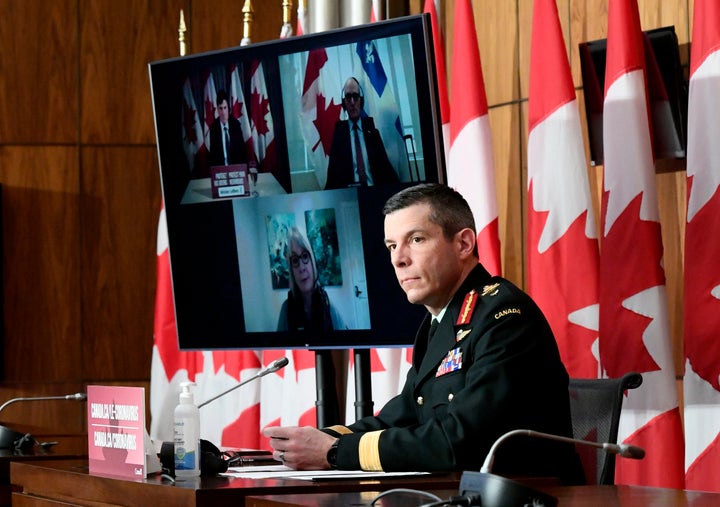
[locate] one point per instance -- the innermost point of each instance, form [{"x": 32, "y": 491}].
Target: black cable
[
  {"x": 405, "y": 491},
  {"x": 462, "y": 501}
]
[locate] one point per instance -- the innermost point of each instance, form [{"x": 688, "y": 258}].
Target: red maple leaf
[
  {"x": 235, "y": 362},
  {"x": 565, "y": 279},
  {"x": 209, "y": 112},
  {"x": 189, "y": 121},
  {"x": 237, "y": 109},
  {"x": 702, "y": 309},
  {"x": 260, "y": 107},
  {"x": 325, "y": 122},
  {"x": 630, "y": 263}
]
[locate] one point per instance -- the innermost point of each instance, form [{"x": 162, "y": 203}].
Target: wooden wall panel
[
  {"x": 219, "y": 24},
  {"x": 41, "y": 263},
  {"x": 117, "y": 41},
  {"x": 505, "y": 125},
  {"x": 120, "y": 207},
  {"x": 38, "y": 71}
]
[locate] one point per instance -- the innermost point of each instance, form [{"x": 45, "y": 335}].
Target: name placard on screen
[{"x": 229, "y": 181}]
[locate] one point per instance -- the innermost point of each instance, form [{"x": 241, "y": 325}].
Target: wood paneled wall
[
  {"x": 80, "y": 185},
  {"x": 81, "y": 192}
]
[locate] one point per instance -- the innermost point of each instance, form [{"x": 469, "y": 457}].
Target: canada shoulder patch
[{"x": 506, "y": 312}]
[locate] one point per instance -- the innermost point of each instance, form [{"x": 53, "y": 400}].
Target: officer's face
[{"x": 427, "y": 265}]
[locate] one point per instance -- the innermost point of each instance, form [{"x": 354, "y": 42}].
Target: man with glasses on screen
[
  {"x": 357, "y": 152},
  {"x": 485, "y": 362}
]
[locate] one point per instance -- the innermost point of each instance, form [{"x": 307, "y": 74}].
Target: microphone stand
[
  {"x": 492, "y": 490},
  {"x": 11, "y": 439},
  {"x": 274, "y": 366}
]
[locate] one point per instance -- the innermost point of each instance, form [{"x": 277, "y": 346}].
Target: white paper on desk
[{"x": 283, "y": 472}]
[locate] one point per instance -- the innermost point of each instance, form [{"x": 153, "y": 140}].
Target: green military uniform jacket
[{"x": 492, "y": 366}]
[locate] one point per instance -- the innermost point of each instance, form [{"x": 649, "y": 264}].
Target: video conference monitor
[{"x": 274, "y": 200}]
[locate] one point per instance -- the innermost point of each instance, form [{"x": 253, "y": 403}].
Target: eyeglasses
[
  {"x": 295, "y": 259},
  {"x": 353, "y": 96}
]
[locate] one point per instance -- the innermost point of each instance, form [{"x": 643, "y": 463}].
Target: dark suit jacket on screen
[
  {"x": 237, "y": 154},
  {"x": 340, "y": 164}
]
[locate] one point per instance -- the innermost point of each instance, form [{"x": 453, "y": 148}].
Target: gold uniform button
[
  {"x": 420, "y": 400},
  {"x": 450, "y": 396}
]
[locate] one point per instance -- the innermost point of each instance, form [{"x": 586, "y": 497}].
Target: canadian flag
[
  {"x": 441, "y": 74},
  {"x": 563, "y": 257},
  {"x": 319, "y": 111},
  {"x": 210, "y": 106},
  {"x": 238, "y": 107},
  {"x": 471, "y": 169},
  {"x": 301, "y": 18},
  {"x": 702, "y": 251},
  {"x": 634, "y": 324},
  {"x": 261, "y": 120},
  {"x": 193, "y": 137}
]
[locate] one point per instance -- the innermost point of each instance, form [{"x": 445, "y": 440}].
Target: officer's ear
[{"x": 466, "y": 240}]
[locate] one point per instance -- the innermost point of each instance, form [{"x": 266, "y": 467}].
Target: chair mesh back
[{"x": 595, "y": 406}]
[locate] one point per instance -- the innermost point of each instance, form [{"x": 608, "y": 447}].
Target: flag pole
[
  {"x": 181, "y": 34},
  {"x": 247, "y": 11}
]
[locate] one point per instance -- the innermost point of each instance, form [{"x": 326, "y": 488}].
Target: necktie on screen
[
  {"x": 227, "y": 144},
  {"x": 359, "y": 161}
]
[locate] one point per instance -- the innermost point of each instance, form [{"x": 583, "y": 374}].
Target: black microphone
[
  {"x": 11, "y": 439},
  {"x": 276, "y": 365},
  {"x": 490, "y": 490}
]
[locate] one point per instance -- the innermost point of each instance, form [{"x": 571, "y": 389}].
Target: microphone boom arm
[
  {"x": 273, "y": 367},
  {"x": 76, "y": 396},
  {"x": 623, "y": 450}
]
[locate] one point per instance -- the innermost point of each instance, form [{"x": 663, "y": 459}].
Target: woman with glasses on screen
[{"x": 307, "y": 306}]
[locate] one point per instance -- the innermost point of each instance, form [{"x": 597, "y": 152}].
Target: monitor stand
[{"x": 328, "y": 410}]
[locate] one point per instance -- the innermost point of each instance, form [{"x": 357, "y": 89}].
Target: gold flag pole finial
[
  {"x": 181, "y": 34},
  {"x": 247, "y": 23},
  {"x": 287, "y": 10},
  {"x": 286, "y": 29}
]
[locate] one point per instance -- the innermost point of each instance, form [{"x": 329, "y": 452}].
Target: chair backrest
[{"x": 595, "y": 406}]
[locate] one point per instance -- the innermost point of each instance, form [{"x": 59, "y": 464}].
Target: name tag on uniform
[{"x": 452, "y": 362}]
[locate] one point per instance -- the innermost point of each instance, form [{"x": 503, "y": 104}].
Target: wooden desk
[
  {"x": 568, "y": 496},
  {"x": 68, "y": 482},
  {"x": 68, "y": 446}
]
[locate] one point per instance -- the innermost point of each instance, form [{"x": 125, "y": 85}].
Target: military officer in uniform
[{"x": 485, "y": 362}]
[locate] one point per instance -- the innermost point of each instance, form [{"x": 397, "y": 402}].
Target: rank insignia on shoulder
[
  {"x": 452, "y": 362},
  {"x": 462, "y": 334},
  {"x": 490, "y": 290},
  {"x": 467, "y": 309}
]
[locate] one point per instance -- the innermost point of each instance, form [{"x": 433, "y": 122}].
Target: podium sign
[{"x": 116, "y": 431}]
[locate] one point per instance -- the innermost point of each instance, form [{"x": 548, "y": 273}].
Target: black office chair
[{"x": 595, "y": 406}]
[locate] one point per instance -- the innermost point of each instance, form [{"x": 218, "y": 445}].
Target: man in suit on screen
[
  {"x": 226, "y": 140},
  {"x": 357, "y": 152}
]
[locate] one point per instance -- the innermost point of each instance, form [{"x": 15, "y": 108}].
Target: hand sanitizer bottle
[{"x": 187, "y": 434}]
